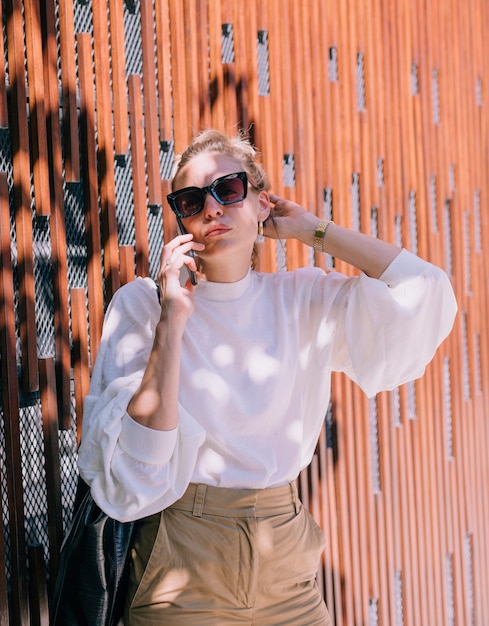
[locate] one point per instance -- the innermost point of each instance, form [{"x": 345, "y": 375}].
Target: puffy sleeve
[
  {"x": 133, "y": 471},
  {"x": 388, "y": 329}
]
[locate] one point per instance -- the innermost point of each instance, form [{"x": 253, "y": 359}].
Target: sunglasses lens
[
  {"x": 189, "y": 202},
  {"x": 226, "y": 190},
  {"x": 230, "y": 190}
]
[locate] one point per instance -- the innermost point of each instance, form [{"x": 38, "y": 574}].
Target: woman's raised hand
[{"x": 175, "y": 255}]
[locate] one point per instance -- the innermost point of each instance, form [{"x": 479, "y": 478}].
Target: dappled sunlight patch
[
  {"x": 214, "y": 384},
  {"x": 261, "y": 366}
]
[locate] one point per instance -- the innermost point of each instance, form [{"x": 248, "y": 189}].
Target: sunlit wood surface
[{"x": 372, "y": 113}]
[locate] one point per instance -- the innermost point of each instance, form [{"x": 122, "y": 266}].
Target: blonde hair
[{"x": 238, "y": 147}]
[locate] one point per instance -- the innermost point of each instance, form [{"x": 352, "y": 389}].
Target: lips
[{"x": 216, "y": 230}]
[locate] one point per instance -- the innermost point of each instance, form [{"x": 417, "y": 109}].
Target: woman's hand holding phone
[{"x": 176, "y": 254}]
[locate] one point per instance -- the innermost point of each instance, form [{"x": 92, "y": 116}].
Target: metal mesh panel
[
  {"x": 4, "y": 496},
  {"x": 155, "y": 234},
  {"x": 83, "y": 16},
  {"x": 355, "y": 201},
  {"x": 34, "y": 476},
  {"x": 132, "y": 37},
  {"x": 43, "y": 282},
  {"x": 7, "y": 168},
  {"x": 263, "y": 64},
  {"x": 227, "y": 43},
  {"x": 333, "y": 65},
  {"x": 68, "y": 457},
  {"x": 360, "y": 74},
  {"x": 75, "y": 235},
  {"x": 124, "y": 200},
  {"x": 374, "y": 446}
]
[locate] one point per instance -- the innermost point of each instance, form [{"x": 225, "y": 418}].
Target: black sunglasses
[{"x": 226, "y": 190}]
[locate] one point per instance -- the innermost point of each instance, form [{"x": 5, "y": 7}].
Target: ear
[{"x": 263, "y": 205}]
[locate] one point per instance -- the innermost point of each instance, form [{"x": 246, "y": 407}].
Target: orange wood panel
[
  {"x": 68, "y": 87},
  {"x": 3, "y": 84},
  {"x": 306, "y": 185},
  {"x": 57, "y": 223},
  {"x": 269, "y": 134},
  {"x": 11, "y": 414},
  {"x": 35, "y": 78},
  {"x": 38, "y": 596},
  {"x": 162, "y": 20},
  {"x": 105, "y": 152},
  {"x": 139, "y": 191},
  {"x": 168, "y": 217},
  {"x": 118, "y": 66},
  {"x": 23, "y": 213},
  {"x": 126, "y": 255},
  {"x": 182, "y": 130},
  {"x": 92, "y": 217},
  {"x": 246, "y": 64},
  {"x": 388, "y": 550},
  {"x": 216, "y": 76},
  {"x": 197, "y": 65},
  {"x": 150, "y": 105},
  {"x": 230, "y": 86}
]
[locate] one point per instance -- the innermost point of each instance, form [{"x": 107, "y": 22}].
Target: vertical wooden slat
[
  {"x": 216, "y": 76},
  {"x": 68, "y": 87},
  {"x": 3, "y": 77},
  {"x": 11, "y": 412},
  {"x": 269, "y": 129},
  {"x": 23, "y": 214},
  {"x": 169, "y": 221},
  {"x": 245, "y": 42},
  {"x": 137, "y": 154},
  {"x": 47, "y": 379},
  {"x": 37, "y": 113},
  {"x": 164, "y": 70},
  {"x": 57, "y": 223},
  {"x": 150, "y": 105},
  {"x": 197, "y": 65},
  {"x": 38, "y": 591},
  {"x": 92, "y": 218},
  {"x": 126, "y": 254},
  {"x": 119, "y": 89},
  {"x": 302, "y": 125},
  {"x": 105, "y": 151},
  {"x": 182, "y": 131},
  {"x": 229, "y": 87}
]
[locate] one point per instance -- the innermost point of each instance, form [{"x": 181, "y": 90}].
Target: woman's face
[{"x": 227, "y": 231}]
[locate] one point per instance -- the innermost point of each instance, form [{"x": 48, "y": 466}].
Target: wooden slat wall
[{"x": 381, "y": 106}]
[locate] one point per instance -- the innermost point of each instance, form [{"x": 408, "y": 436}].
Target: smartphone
[{"x": 183, "y": 231}]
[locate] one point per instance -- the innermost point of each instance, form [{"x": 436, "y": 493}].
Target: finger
[
  {"x": 274, "y": 198},
  {"x": 176, "y": 248}
]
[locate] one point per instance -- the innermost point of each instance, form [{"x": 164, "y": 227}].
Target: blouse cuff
[
  {"x": 405, "y": 266},
  {"x": 148, "y": 445}
]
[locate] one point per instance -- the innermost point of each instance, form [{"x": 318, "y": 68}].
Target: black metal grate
[{"x": 31, "y": 433}]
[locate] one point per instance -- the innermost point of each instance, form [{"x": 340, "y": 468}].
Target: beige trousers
[{"x": 219, "y": 557}]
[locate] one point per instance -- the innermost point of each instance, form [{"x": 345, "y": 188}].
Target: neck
[{"x": 224, "y": 272}]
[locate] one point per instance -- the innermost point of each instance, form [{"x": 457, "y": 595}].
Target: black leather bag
[{"x": 91, "y": 581}]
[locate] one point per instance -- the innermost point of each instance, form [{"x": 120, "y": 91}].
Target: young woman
[{"x": 207, "y": 400}]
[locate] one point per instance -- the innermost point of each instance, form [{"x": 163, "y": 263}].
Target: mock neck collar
[{"x": 223, "y": 291}]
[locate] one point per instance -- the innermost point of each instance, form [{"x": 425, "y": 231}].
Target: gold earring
[{"x": 260, "y": 238}]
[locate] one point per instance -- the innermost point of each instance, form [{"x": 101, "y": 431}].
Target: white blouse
[{"x": 257, "y": 357}]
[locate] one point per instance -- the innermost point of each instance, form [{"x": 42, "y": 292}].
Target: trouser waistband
[{"x": 200, "y": 499}]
